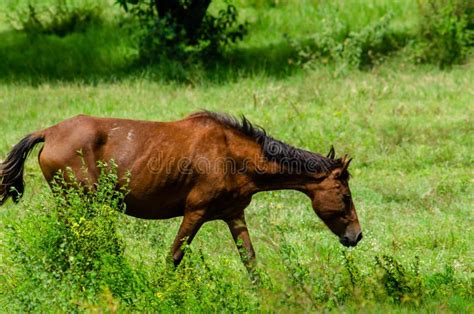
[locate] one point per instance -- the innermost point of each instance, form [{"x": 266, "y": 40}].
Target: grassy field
[{"x": 408, "y": 127}]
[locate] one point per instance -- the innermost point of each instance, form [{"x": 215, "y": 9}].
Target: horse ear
[
  {"x": 331, "y": 153},
  {"x": 345, "y": 162}
]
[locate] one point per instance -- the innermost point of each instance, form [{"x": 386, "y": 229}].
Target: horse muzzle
[{"x": 349, "y": 241}]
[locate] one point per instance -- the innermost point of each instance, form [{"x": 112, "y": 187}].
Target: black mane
[{"x": 275, "y": 150}]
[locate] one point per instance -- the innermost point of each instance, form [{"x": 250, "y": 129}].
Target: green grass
[
  {"x": 409, "y": 128},
  {"x": 108, "y": 53}
]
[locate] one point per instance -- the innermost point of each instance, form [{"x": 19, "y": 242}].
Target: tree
[
  {"x": 182, "y": 27},
  {"x": 187, "y": 13}
]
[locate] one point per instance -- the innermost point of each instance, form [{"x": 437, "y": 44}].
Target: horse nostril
[
  {"x": 359, "y": 237},
  {"x": 344, "y": 241}
]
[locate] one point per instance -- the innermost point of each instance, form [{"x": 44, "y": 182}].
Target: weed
[
  {"x": 401, "y": 285},
  {"x": 353, "y": 271}
]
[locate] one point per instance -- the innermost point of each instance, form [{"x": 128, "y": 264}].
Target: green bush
[
  {"x": 62, "y": 18},
  {"x": 164, "y": 37},
  {"x": 358, "y": 49},
  {"x": 86, "y": 220},
  {"x": 402, "y": 285},
  {"x": 371, "y": 44},
  {"x": 444, "y": 37},
  {"x": 446, "y": 31},
  {"x": 74, "y": 242}
]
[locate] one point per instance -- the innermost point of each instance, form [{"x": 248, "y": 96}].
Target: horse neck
[{"x": 272, "y": 177}]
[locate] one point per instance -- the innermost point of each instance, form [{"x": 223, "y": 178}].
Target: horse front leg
[
  {"x": 240, "y": 233},
  {"x": 190, "y": 225}
]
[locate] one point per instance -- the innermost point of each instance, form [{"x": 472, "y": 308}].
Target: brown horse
[{"x": 204, "y": 167}]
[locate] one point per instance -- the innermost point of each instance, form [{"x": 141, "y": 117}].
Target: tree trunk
[{"x": 190, "y": 17}]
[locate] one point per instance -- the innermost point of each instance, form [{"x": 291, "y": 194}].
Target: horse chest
[{"x": 227, "y": 205}]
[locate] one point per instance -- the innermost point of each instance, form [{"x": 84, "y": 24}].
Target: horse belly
[{"x": 154, "y": 207}]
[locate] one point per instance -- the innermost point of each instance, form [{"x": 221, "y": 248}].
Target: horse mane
[{"x": 275, "y": 150}]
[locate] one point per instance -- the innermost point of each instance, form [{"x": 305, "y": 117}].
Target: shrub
[
  {"x": 358, "y": 49},
  {"x": 60, "y": 19},
  {"x": 166, "y": 37},
  {"x": 351, "y": 268},
  {"x": 402, "y": 285},
  {"x": 446, "y": 31},
  {"x": 86, "y": 220},
  {"x": 74, "y": 241},
  {"x": 369, "y": 45}
]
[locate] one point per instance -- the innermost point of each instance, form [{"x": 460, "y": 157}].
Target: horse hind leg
[{"x": 75, "y": 167}]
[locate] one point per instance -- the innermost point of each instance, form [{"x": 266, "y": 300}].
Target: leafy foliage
[
  {"x": 165, "y": 36},
  {"x": 357, "y": 49},
  {"x": 400, "y": 284},
  {"x": 446, "y": 31},
  {"x": 87, "y": 220},
  {"x": 444, "y": 37},
  {"x": 77, "y": 243}
]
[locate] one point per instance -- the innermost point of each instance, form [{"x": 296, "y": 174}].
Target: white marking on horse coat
[{"x": 130, "y": 135}]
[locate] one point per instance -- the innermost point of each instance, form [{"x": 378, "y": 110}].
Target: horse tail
[{"x": 11, "y": 169}]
